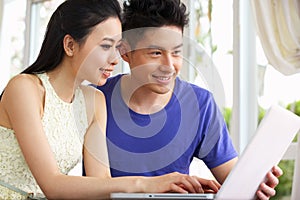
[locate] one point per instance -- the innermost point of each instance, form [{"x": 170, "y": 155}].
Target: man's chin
[{"x": 162, "y": 89}]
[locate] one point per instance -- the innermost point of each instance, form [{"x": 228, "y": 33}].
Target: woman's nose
[{"x": 115, "y": 56}]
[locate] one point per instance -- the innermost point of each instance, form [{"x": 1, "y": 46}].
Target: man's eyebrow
[
  {"x": 178, "y": 46},
  {"x": 162, "y": 48}
]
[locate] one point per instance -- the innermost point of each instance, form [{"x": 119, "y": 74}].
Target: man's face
[{"x": 157, "y": 58}]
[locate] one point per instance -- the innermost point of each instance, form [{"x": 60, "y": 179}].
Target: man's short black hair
[{"x": 140, "y": 14}]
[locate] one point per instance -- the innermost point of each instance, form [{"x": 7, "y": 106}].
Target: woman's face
[{"x": 97, "y": 56}]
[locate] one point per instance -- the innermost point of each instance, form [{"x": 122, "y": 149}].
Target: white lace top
[{"x": 65, "y": 125}]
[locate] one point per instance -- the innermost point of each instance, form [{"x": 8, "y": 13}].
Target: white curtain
[{"x": 278, "y": 27}]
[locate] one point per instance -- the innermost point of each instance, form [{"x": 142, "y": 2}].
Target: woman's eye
[
  {"x": 118, "y": 47},
  {"x": 106, "y": 46}
]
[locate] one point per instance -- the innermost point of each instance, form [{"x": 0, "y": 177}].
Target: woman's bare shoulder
[
  {"x": 23, "y": 85},
  {"x": 23, "y": 80},
  {"x": 92, "y": 93}
]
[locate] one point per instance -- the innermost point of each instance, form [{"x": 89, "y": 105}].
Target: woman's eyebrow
[{"x": 108, "y": 39}]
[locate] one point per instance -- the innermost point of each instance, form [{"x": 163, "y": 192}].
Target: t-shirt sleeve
[{"x": 215, "y": 146}]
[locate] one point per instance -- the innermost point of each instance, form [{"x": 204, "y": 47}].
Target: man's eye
[
  {"x": 155, "y": 53},
  {"x": 178, "y": 52}
]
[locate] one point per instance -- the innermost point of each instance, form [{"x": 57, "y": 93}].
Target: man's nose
[{"x": 167, "y": 63}]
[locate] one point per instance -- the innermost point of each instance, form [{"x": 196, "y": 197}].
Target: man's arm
[{"x": 221, "y": 172}]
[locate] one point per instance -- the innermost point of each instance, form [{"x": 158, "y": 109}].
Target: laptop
[
  {"x": 153, "y": 196},
  {"x": 271, "y": 140}
]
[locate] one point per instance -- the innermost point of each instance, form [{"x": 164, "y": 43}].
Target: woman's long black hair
[{"x": 76, "y": 18}]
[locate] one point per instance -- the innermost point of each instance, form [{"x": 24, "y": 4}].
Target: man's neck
[{"x": 142, "y": 100}]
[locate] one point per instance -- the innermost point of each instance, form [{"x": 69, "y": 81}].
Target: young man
[{"x": 156, "y": 122}]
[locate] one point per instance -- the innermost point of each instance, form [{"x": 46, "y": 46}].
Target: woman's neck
[{"x": 64, "y": 83}]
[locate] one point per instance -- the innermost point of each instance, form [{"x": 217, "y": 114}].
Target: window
[
  {"x": 12, "y": 43},
  {"x": 21, "y": 34}
]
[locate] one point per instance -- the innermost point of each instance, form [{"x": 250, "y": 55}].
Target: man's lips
[{"x": 163, "y": 78}]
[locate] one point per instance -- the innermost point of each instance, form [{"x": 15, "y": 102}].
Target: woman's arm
[
  {"x": 23, "y": 102},
  {"x": 95, "y": 149}
]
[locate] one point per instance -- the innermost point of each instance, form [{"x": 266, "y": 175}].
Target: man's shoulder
[{"x": 182, "y": 85}]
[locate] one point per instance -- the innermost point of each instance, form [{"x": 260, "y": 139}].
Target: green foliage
[
  {"x": 284, "y": 188},
  {"x": 261, "y": 114},
  {"x": 294, "y": 107},
  {"x": 227, "y": 113},
  {"x": 227, "y": 116}
]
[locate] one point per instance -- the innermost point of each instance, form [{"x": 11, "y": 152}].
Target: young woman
[{"x": 48, "y": 119}]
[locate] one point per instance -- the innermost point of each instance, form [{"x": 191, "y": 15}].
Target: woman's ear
[
  {"x": 69, "y": 45},
  {"x": 124, "y": 50}
]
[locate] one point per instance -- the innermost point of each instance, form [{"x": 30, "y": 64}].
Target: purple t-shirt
[{"x": 190, "y": 125}]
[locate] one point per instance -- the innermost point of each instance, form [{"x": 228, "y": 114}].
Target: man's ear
[
  {"x": 69, "y": 45},
  {"x": 124, "y": 50}
]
